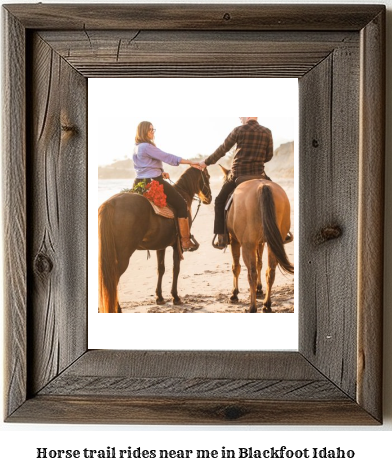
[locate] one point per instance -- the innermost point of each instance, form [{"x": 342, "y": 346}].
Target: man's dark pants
[{"x": 220, "y": 201}]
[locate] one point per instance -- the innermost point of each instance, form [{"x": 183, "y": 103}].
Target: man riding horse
[{"x": 254, "y": 148}]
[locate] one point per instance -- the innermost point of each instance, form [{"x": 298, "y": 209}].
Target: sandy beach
[{"x": 205, "y": 280}]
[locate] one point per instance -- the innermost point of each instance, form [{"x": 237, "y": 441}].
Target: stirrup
[
  {"x": 194, "y": 242},
  {"x": 220, "y": 246}
]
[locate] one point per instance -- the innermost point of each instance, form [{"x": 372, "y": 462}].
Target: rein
[
  {"x": 198, "y": 207},
  {"x": 193, "y": 197}
]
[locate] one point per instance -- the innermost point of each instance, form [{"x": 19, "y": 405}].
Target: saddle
[
  {"x": 242, "y": 179},
  {"x": 238, "y": 181}
]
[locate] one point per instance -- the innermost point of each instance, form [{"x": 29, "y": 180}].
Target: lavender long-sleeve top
[{"x": 147, "y": 160}]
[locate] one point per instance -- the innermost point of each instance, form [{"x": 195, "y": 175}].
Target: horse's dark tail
[
  {"x": 270, "y": 228},
  {"x": 107, "y": 261}
]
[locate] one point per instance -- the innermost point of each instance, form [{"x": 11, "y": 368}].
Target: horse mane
[{"x": 186, "y": 184}]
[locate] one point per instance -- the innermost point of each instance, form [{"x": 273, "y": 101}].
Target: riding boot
[{"x": 186, "y": 242}]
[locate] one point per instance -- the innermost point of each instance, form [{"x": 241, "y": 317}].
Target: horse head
[
  {"x": 225, "y": 172},
  {"x": 194, "y": 182}
]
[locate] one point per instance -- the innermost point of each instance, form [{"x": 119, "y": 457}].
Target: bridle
[
  {"x": 194, "y": 198},
  {"x": 205, "y": 186},
  {"x": 209, "y": 195}
]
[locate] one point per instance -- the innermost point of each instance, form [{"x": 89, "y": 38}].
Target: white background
[{"x": 18, "y": 443}]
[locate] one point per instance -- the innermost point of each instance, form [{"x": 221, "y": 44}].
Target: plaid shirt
[{"x": 254, "y": 148}]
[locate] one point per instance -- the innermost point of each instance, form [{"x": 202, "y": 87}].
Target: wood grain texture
[
  {"x": 104, "y": 410},
  {"x": 205, "y": 374},
  {"x": 329, "y": 168},
  {"x": 193, "y": 53},
  {"x": 200, "y": 387},
  {"x": 57, "y": 215},
  {"x": 192, "y": 387},
  {"x": 208, "y": 364},
  {"x": 371, "y": 216},
  {"x": 194, "y": 17},
  {"x": 14, "y": 213}
]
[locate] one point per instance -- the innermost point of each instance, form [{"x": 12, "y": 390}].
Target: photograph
[{"x": 207, "y": 255}]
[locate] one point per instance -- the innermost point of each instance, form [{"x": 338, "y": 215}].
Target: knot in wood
[
  {"x": 69, "y": 128},
  {"x": 315, "y": 143},
  {"x": 232, "y": 413},
  {"x": 328, "y": 233},
  {"x": 43, "y": 264},
  {"x": 227, "y": 16}
]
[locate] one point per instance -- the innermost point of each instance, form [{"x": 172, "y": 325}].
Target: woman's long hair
[{"x": 142, "y": 133}]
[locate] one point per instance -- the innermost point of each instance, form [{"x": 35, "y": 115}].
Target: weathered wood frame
[{"x": 337, "y": 52}]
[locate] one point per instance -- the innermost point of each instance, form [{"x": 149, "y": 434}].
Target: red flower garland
[{"x": 154, "y": 192}]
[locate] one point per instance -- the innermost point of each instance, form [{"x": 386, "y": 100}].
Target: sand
[{"x": 205, "y": 280}]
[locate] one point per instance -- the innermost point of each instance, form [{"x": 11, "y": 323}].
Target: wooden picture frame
[{"x": 338, "y": 54}]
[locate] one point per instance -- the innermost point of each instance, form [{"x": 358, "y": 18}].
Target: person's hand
[
  {"x": 165, "y": 175},
  {"x": 200, "y": 166}
]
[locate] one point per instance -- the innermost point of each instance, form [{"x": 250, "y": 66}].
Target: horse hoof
[
  {"x": 253, "y": 310},
  {"x": 234, "y": 299},
  {"x": 160, "y": 301},
  {"x": 267, "y": 309},
  {"x": 259, "y": 294},
  {"x": 177, "y": 301}
]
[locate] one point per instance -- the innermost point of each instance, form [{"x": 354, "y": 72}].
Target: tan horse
[{"x": 259, "y": 214}]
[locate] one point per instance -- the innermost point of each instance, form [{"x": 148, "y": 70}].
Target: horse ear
[{"x": 224, "y": 170}]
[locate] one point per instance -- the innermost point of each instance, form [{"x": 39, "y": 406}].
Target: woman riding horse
[{"x": 147, "y": 159}]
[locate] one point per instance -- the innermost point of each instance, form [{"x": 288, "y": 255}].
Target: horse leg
[
  {"x": 270, "y": 274},
  {"x": 236, "y": 268},
  {"x": 259, "y": 290},
  {"x": 249, "y": 256},
  {"x": 176, "y": 272},
  {"x": 123, "y": 257},
  {"x": 122, "y": 265},
  {"x": 161, "y": 272}
]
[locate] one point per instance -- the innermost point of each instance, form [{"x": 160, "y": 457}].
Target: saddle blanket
[{"x": 162, "y": 211}]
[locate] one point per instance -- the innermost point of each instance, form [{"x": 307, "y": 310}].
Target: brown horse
[
  {"x": 127, "y": 222},
  {"x": 259, "y": 214}
]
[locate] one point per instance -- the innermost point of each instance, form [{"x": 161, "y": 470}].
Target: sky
[{"x": 191, "y": 116}]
